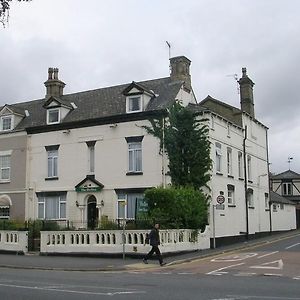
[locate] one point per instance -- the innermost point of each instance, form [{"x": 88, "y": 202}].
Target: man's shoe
[
  {"x": 162, "y": 264},
  {"x": 145, "y": 261}
]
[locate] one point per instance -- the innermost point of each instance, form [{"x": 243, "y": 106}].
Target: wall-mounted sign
[
  {"x": 220, "y": 199},
  {"x": 88, "y": 189},
  {"x": 220, "y": 206}
]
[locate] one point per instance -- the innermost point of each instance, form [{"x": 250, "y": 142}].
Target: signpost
[{"x": 220, "y": 206}]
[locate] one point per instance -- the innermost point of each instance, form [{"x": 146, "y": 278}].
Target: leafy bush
[{"x": 182, "y": 207}]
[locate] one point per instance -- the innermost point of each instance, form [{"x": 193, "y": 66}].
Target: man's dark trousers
[{"x": 154, "y": 249}]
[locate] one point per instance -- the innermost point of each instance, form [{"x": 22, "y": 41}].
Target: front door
[{"x": 92, "y": 213}]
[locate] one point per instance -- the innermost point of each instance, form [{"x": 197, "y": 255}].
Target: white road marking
[
  {"x": 186, "y": 273},
  {"x": 289, "y": 247},
  {"x": 234, "y": 257},
  {"x": 71, "y": 291},
  {"x": 267, "y": 265},
  {"x": 245, "y": 274},
  {"x": 268, "y": 254},
  {"x": 237, "y": 297},
  {"x": 271, "y": 274},
  {"x": 219, "y": 271}
]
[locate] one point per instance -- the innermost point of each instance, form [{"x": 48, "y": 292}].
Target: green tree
[
  {"x": 4, "y": 10},
  {"x": 185, "y": 139}
]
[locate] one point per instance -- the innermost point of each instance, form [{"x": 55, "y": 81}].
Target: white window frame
[
  {"x": 91, "y": 158},
  {"x": 229, "y": 161},
  {"x": 42, "y": 207},
  {"x": 125, "y": 200},
  {"x": 230, "y": 196},
  {"x": 266, "y": 201},
  {"x": 249, "y": 168},
  {"x": 287, "y": 188},
  {"x": 5, "y": 168},
  {"x": 129, "y": 104},
  {"x": 4, "y": 212},
  {"x": 240, "y": 164},
  {"x": 218, "y": 157},
  {"x": 51, "y": 110},
  {"x": 52, "y": 163},
  {"x": 3, "y": 118},
  {"x": 250, "y": 198},
  {"x": 135, "y": 157}
]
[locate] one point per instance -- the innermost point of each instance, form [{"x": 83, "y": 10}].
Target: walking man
[{"x": 154, "y": 242}]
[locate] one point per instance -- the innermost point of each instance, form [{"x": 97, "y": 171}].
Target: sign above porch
[{"x": 89, "y": 184}]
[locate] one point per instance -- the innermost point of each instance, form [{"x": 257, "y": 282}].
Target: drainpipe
[
  {"x": 269, "y": 187},
  {"x": 245, "y": 183}
]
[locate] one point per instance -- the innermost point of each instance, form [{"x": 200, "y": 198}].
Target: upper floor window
[
  {"x": 266, "y": 201},
  {"x": 53, "y": 116},
  {"x": 4, "y": 168},
  {"x": 91, "y": 156},
  {"x": 230, "y": 194},
  {"x": 287, "y": 188},
  {"x": 52, "y": 158},
  {"x": 229, "y": 161},
  {"x": 218, "y": 157},
  {"x": 249, "y": 167},
  {"x": 134, "y": 154},
  {"x": 240, "y": 164},
  {"x": 134, "y": 104},
  {"x": 6, "y": 123},
  {"x": 250, "y": 198},
  {"x": 135, "y": 157}
]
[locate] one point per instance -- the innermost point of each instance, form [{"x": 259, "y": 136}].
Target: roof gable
[
  {"x": 89, "y": 184},
  {"x": 135, "y": 89},
  {"x": 287, "y": 175}
]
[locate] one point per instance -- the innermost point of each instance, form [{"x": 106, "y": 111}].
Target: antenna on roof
[
  {"x": 289, "y": 161},
  {"x": 169, "y": 46},
  {"x": 235, "y": 77}
]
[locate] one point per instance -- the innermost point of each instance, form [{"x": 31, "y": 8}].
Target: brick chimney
[
  {"x": 246, "y": 93},
  {"x": 54, "y": 86},
  {"x": 180, "y": 70}
]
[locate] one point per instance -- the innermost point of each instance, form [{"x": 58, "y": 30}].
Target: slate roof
[
  {"x": 276, "y": 198},
  {"x": 286, "y": 175},
  {"x": 99, "y": 103}
]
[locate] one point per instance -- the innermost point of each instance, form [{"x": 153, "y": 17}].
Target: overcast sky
[{"x": 98, "y": 43}]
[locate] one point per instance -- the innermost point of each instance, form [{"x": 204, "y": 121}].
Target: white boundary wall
[
  {"x": 15, "y": 241},
  {"x": 111, "y": 241}
]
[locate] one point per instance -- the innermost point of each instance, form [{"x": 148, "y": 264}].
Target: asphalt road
[{"x": 271, "y": 271}]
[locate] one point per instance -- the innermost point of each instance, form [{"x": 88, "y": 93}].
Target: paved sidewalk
[{"x": 75, "y": 263}]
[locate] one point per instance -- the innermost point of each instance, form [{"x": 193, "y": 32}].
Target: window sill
[
  {"x": 134, "y": 173},
  {"x": 5, "y": 181},
  {"x": 219, "y": 173},
  {"x": 231, "y": 205},
  {"x": 51, "y": 178},
  {"x": 230, "y": 176},
  {"x": 251, "y": 207},
  {"x": 267, "y": 209},
  {"x": 250, "y": 181},
  {"x": 240, "y": 178}
]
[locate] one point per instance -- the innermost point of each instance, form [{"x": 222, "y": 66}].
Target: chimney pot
[{"x": 50, "y": 73}]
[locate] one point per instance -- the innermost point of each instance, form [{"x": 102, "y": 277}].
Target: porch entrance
[{"x": 92, "y": 213}]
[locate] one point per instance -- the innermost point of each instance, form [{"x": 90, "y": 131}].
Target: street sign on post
[{"x": 220, "y": 199}]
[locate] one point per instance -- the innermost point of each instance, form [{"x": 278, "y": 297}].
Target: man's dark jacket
[{"x": 154, "y": 237}]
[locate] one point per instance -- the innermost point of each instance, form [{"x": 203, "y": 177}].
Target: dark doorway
[
  {"x": 298, "y": 217},
  {"x": 92, "y": 213}
]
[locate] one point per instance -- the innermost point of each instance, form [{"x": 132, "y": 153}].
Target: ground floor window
[
  {"x": 129, "y": 205},
  {"x": 52, "y": 206},
  {"x": 4, "y": 212}
]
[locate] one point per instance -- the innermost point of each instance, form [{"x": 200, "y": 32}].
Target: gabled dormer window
[
  {"x": 53, "y": 116},
  {"x": 134, "y": 104},
  {"x": 6, "y": 123}
]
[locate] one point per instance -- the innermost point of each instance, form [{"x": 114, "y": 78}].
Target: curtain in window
[{"x": 135, "y": 157}]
